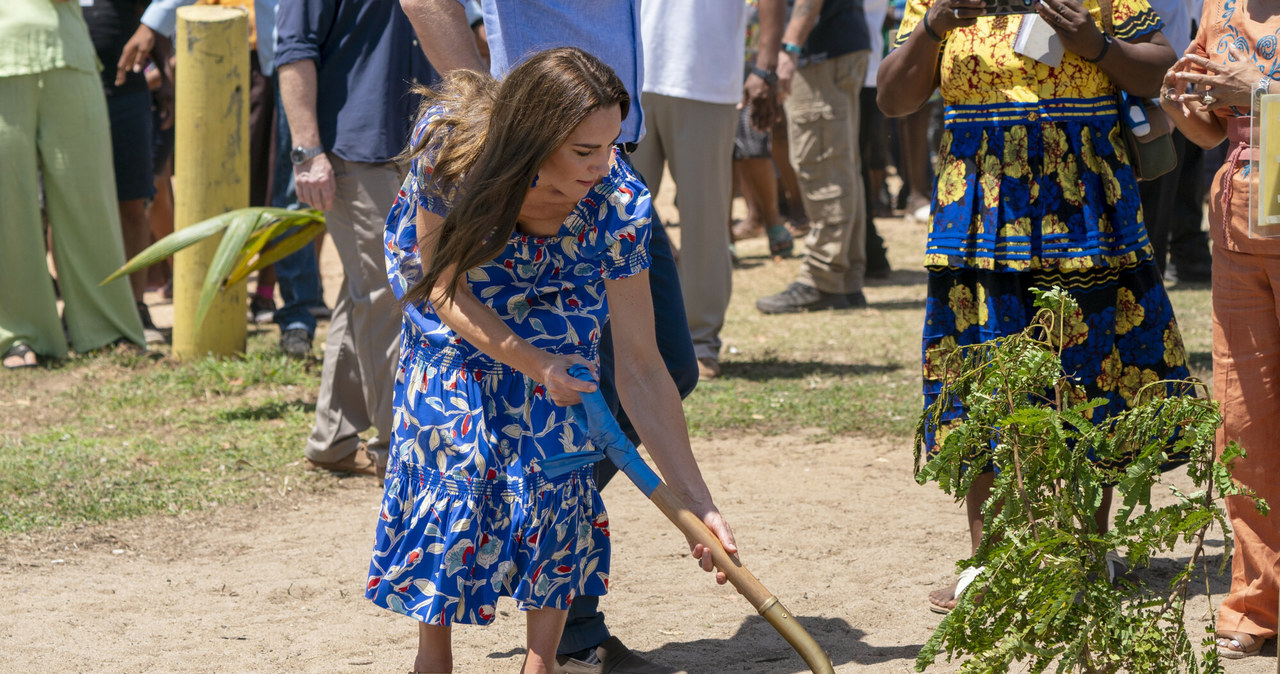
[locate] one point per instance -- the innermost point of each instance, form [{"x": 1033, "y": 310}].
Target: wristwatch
[
  {"x": 300, "y": 155},
  {"x": 770, "y": 77},
  {"x": 1262, "y": 88}
]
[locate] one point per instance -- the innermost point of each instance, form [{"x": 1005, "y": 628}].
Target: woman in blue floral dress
[
  {"x": 1035, "y": 190},
  {"x": 519, "y": 231}
]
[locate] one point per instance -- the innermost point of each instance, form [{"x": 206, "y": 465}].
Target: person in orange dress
[{"x": 1210, "y": 93}]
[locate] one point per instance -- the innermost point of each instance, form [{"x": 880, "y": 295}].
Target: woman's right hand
[
  {"x": 1173, "y": 89},
  {"x": 711, "y": 517},
  {"x": 552, "y": 371},
  {"x": 945, "y": 16}
]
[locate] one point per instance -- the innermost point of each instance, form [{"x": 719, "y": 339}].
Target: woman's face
[{"x": 575, "y": 167}]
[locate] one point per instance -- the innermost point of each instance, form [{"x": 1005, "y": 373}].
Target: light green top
[{"x": 40, "y": 35}]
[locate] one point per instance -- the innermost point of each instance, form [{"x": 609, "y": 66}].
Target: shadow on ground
[
  {"x": 1206, "y": 581},
  {"x": 899, "y": 305},
  {"x": 902, "y": 277},
  {"x": 757, "y": 647},
  {"x": 762, "y": 370},
  {"x": 275, "y": 409}
]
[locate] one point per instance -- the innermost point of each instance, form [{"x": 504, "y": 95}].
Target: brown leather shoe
[
  {"x": 359, "y": 462},
  {"x": 611, "y": 657},
  {"x": 708, "y": 368}
]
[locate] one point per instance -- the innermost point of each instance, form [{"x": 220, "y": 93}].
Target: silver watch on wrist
[
  {"x": 1260, "y": 89},
  {"x": 300, "y": 155}
]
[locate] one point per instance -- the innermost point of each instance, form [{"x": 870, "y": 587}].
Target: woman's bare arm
[
  {"x": 909, "y": 74},
  {"x": 481, "y": 327},
  {"x": 653, "y": 404}
]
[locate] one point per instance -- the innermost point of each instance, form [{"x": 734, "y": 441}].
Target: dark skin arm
[
  {"x": 1135, "y": 66},
  {"x": 913, "y": 66},
  {"x": 757, "y": 93}
]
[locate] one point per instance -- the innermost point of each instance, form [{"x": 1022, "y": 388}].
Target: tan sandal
[{"x": 1231, "y": 647}]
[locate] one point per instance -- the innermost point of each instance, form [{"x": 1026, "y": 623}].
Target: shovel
[{"x": 605, "y": 434}]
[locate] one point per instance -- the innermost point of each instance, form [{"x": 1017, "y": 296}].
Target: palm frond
[{"x": 252, "y": 239}]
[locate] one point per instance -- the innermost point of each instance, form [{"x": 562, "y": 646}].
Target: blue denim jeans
[
  {"x": 585, "y": 626},
  {"x": 297, "y": 274}
]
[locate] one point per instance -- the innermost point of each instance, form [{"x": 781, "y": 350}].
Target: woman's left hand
[
  {"x": 715, "y": 522},
  {"x": 1217, "y": 85},
  {"x": 1074, "y": 26}
]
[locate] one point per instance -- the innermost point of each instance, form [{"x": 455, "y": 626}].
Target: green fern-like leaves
[{"x": 1045, "y": 598}]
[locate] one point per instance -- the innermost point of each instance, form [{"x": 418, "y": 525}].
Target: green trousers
[{"x": 54, "y": 124}]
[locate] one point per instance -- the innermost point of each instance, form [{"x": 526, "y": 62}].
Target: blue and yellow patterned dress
[
  {"x": 468, "y": 515},
  {"x": 1035, "y": 190}
]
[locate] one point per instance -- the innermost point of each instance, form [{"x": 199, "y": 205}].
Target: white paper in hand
[{"x": 1037, "y": 40}]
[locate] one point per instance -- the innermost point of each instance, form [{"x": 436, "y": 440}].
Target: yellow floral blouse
[{"x": 1032, "y": 170}]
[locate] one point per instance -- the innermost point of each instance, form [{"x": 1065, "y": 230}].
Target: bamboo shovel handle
[
  {"x": 743, "y": 580},
  {"x": 693, "y": 527}
]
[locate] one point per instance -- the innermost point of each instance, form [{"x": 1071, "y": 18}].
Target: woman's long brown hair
[{"x": 490, "y": 141}]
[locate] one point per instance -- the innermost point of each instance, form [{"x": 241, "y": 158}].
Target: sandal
[
  {"x": 780, "y": 241},
  {"x": 20, "y": 351},
  {"x": 963, "y": 581},
  {"x": 799, "y": 227},
  {"x": 1230, "y": 647}
]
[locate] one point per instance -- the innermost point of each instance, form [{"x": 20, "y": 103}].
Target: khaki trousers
[
  {"x": 1246, "y": 381},
  {"x": 362, "y": 349},
  {"x": 822, "y": 127},
  {"x": 55, "y": 124},
  {"x": 695, "y": 139}
]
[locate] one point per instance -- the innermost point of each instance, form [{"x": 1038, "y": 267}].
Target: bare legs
[
  {"x": 435, "y": 649},
  {"x": 135, "y": 225},
  {"x": 913, "y": 133},
  {"x": 161, "y": 217},
  {"x": 787, "y": 175},
  {"x": 542, "y": 634},
  {"x": 760, "y": 190}
]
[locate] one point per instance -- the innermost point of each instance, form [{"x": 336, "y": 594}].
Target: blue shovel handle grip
[{"x": 606, "y": 435}]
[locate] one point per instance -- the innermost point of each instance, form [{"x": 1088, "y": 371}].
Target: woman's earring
[{"x": 535, "y": 181}]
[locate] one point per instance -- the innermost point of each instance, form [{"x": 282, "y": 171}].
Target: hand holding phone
[{"x": 1003, "y": 7}]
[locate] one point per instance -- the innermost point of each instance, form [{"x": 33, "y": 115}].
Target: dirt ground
[{"x": 835, "y": 527}]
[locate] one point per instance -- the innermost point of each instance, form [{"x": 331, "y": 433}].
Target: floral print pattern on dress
[{"x": 468, "y": 515}]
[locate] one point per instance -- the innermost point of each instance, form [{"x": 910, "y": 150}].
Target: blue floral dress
[
  {"x": 1035, "y": 190},
  {"x": 468, "y": 515}
]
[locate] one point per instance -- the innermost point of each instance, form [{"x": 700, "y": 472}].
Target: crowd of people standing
[{"x": 559, "y": 163}]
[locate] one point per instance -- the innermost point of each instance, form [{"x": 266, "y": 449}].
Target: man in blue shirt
[
  {"x": 610, "y": 30},
  {"x": 345, "y": 74}
]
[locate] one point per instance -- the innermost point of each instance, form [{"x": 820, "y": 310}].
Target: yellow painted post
[{"x": 211, "y": 168}]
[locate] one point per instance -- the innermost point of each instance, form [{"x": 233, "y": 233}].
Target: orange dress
[{"x": 1246, "y": 330}]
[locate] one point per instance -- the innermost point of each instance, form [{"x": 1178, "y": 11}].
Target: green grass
[{"x": 110, "y": 436}]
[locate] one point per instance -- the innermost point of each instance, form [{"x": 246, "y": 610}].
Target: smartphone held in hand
[{"x": 997, "y": 7}]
